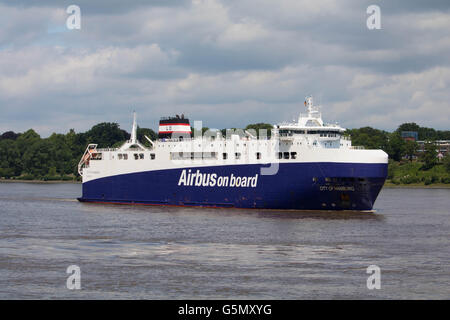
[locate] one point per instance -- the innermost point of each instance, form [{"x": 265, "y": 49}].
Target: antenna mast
[{"x": 134, "y": 129}]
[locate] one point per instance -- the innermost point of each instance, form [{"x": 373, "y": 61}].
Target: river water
[{"x": 137, "y": 252}]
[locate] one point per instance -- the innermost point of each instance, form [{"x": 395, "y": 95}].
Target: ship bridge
[{"x": 310, "y": 126}]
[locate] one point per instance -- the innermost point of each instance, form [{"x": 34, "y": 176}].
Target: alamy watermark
[
  {"x": 74, "y": 20},
  {"x": 74, "y": 280},
  {"x": 374, "y": 20},
  {"x": 374, "y": 280},
  {"x": 237, "y": 146}
]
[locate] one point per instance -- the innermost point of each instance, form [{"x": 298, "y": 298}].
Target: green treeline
[
  {"x": 27, "y": 156},
  {"x": 392, "y": 142},
  {"x": 406, "y": 165}
]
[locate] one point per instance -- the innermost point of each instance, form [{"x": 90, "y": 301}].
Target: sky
[{"x": 227, "y": 63}]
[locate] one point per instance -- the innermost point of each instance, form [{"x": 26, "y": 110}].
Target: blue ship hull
[{"x": 296, "y": 186}]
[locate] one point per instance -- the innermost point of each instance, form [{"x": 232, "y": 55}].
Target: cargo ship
[{"x": 305, "y": 164}]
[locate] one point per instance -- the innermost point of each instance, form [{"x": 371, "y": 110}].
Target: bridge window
[
  {"x": 152, "y": 156},
  {"x": 286, "y": 155},
  {"x": 237, "y": 155},
  {"x": 224, "y": 156},
  {"x": 293, "y": 155},
  {"x": 258, "y": 155}
]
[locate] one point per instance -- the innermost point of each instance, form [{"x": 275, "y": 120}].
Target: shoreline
[
  {"x": 37, "y": 181},
  {"x": 386, "y": 184},
  {"x": 389, "y": 184}
]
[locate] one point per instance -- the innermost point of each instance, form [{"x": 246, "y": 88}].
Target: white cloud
[{"x": 227, "y": 63}]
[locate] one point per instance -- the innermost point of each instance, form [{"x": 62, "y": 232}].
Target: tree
[
  {"x": 9, "y": 135},
  {"x": 443, "y": 135},
  {"x": 428, "y": 134},
  {"x": 260, "y": 128},
  {"x": 429, "y": 156},
  {"x": 37, "y": 159},
  {"x": 446, "y": 162},
  {"x": 25, "y": 140},
  {"x": 64, "y": 160},
  {"x": 369, "y": 138},
  {"x": 52, "y": 172},
  {"x": 411, "y": 126},
  {"x": 141, "y": 132},
  {"x": 424, "y": 133},
  {"x": 396, "y": 146},
  {"x": 411, "y": 149},
  {"x": 147, "y": 132},
  {"x": 106, "y": 134},
  {"x": 10, "y": 159}
]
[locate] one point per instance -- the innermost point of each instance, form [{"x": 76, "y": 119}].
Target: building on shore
[
  {"x": 410, "y": 135},
  {"x": 442, "y": 146}
]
